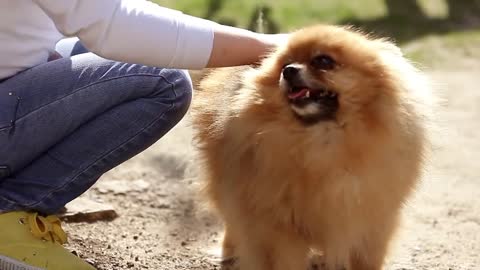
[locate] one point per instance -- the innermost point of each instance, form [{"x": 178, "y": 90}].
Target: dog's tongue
[{"x": 298, "y": 94}]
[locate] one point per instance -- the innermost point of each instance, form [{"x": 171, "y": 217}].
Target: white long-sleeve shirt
[{"x": 134, "y": 31}]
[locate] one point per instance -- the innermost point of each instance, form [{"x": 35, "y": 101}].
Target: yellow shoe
[{"x": 29, "y": 241}]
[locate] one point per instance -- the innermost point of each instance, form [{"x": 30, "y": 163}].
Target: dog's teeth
[
  {"x": 308, "y": 94},
  {"x": 323, "y": 93},
  {"x": 332, "y": 94}
]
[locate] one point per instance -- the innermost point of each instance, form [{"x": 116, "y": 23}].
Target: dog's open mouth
[
  {"x": 305, "y": 93},
  {"x": 312, "y": 105}
]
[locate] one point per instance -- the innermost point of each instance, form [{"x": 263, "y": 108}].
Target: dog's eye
[{"x": 323, "y": 62}]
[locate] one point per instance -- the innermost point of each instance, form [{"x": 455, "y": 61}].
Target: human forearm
[
  {"x": 145, "y": 33},
  {"x": 234, "y": 46}
]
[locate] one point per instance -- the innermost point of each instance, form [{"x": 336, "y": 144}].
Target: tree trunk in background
[
  {"x": 463, "y": 10},
  {"x": 404, "y": 8},
  {"x": 262, "y": 21},
  {"x": 214, "y": 6}
]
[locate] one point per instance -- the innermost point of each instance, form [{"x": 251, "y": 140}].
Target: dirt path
[{"x": 164, "y": 227}]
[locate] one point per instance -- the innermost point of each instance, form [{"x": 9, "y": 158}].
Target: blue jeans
[{"x": 66, "y": 122}]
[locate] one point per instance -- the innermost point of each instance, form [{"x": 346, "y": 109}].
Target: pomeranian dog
[{"x": 316, "y": 149}]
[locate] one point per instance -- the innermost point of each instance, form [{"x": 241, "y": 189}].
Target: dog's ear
[{"x": 388, "y": 46}]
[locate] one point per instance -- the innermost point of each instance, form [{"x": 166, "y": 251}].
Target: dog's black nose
[{"x": 290, "y": 72}]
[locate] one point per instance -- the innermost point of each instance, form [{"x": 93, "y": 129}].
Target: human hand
[
  {"x": 234, "y": 46},
  {"x": 276, "y": 40}
]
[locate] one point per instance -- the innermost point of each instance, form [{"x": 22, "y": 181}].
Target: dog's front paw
[
  {"x": 230, "y": 263},
  {"x": 317, "y": 262}
]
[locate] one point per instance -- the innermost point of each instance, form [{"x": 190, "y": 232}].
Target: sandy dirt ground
[{"x": 164, "y": 226}]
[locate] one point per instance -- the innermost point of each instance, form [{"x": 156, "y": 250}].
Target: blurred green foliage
[
  {"x": 401, "y": 19},
  {"x": 433, "y": 30},
  {"x": 288, "y": 14}
]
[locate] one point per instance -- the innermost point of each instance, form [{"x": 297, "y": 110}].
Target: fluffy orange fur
[{"x": 283, "y": 187}]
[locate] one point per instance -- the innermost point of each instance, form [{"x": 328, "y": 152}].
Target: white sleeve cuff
[{"x": 195, "y": 43}]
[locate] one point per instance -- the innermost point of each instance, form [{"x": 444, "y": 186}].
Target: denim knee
[
  {"x": 180, "y": 84},
  {"x": 184, "y": 89}
]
